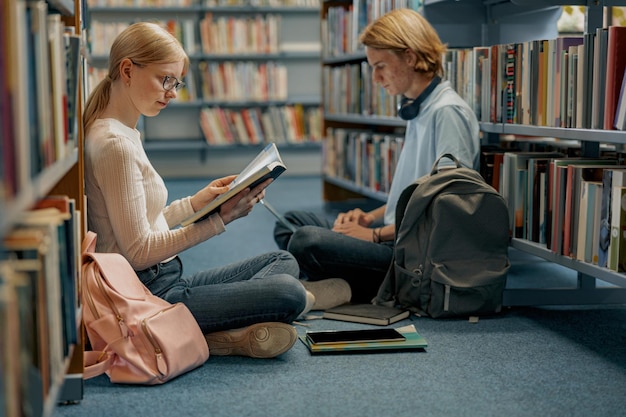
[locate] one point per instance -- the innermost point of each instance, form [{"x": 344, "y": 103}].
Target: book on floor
[
  {"x": 386, "y": 334},
  {"x": 412, "y": 341},
  {"x": 267, "y": 164},
  {"x": 366, "y": 313}
]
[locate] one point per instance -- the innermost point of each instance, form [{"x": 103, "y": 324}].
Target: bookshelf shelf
[
  {"x": 365, "y": 120},
  {"x": 194, "y": 145},
  {"x": 587, "y": 135},
  {"x": 38, "y": 188},
  {"x": 351, "y": 186},
  {"x": 296, "y": 55},
  {"x": 541, "y": 251}
]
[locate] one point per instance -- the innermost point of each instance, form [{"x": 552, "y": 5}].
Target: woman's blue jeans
[{"x": 259, "y": 289}]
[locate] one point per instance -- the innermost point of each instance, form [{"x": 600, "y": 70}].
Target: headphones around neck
[{"x": 409, "y": 108}]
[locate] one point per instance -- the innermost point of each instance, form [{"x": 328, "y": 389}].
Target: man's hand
[
  {"x": 353, "y": 229},
  {"x": 357, "y": 216}
]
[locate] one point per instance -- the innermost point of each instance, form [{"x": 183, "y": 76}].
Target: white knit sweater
[{"x": 126, "y": 200}]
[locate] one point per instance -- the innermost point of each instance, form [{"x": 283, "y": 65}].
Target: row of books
[
  {"x": 224, "y": 35},
  {"x": 349, "y": 89},
  {"x": 227, "y": 81},
  {"x": 240, "y": 81},
  {"x": 40, "y": 66},
  {"x": 570, "y": 81},
  {"x": 258, "y": 34},
  {"x": 575, "y": 206},
  {"x": 365, "y": 158},
  {"x": 39, "y": 303},
  {"x": 279, "y": 124},
  {"x": 341, "y": 26}
]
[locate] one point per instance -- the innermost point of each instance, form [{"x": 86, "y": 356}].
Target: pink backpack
[{"x": 136, "y": 337}]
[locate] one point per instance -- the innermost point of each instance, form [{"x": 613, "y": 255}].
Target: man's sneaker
[
  {"x": 260, "y": 340},
  {"x": 329, "y": 293}
]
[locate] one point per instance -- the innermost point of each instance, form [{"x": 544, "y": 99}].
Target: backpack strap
[
  {"x": 89, "y": 242},
  {"x": 435, "y": 167},
  {"x": 96, "y": 363},
  {"x": 386, "y": 290}
]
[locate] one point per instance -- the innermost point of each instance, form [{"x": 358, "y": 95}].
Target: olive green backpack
[{"x": 451, "y": 251}]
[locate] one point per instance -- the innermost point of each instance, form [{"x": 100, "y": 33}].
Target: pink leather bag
[{"x": 137, "y": 337}]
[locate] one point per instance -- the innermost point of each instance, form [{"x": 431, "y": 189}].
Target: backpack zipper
[
  {"x": 158, "y": 353},
  {"x": 120, "y": 319}
]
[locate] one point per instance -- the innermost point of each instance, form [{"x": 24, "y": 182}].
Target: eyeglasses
[{"x": 170, "y": 83}]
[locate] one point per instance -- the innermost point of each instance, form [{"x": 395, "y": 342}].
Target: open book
[{"x": 267, "y": 164}]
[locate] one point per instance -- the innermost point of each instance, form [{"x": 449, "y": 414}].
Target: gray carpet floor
[{"x": 529, "y": 361}]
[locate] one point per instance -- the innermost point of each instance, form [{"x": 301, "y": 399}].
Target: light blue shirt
[{"x": 445, "y": 124}]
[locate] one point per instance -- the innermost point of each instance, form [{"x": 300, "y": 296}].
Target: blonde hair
[
  {"x": 403, "y": 29},
  {"x": 144, "y": 44}
]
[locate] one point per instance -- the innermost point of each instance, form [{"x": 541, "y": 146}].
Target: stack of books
[{"x": 363, "y": 341}]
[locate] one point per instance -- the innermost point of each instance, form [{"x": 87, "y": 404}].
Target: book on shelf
[
  {"x": 73, "y": 65},
  {"x": 612, "y": 177},
  {"x": 576, "y": 174},
  {"x": 587, "y": 79},
  {"x": 8, "y": 174},
  {"x": 581, "y": 84},
  {"x": 615, "y": 66},
  {"x": 561, "y": 200},
  {"x": 42, "y": 150},
  {"x": 267, "y": 164},
  {"x": 413, "y": 341},
  {"x": 28, "y": 250},
  {"x": 620, "y": 110},
  {"x": 589, "y": 212},
  {"x": 17, "y": 81},
  {"x": 616, "y": 260},
  {"x": 591, "y": 253},
  {"x": 514, "y": 184},
  {"x": 29, "y": 377},
  {"x": 58, "y": 59},
  {"x": 37, "y": 237},
  {"x": 560, "y": 54},
  {"x": 366, "y": 313},
  {"x": 69, "y": 232},
  {"x": 599, "y": 78},
  {"x": 10, "y": 383}
]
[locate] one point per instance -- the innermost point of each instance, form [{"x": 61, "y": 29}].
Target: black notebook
[
  {"x": 411, "y": 340},
  {"x": 366, "y": 313}
]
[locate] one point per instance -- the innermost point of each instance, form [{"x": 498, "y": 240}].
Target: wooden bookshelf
[{"x": 41, "y": 161}]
